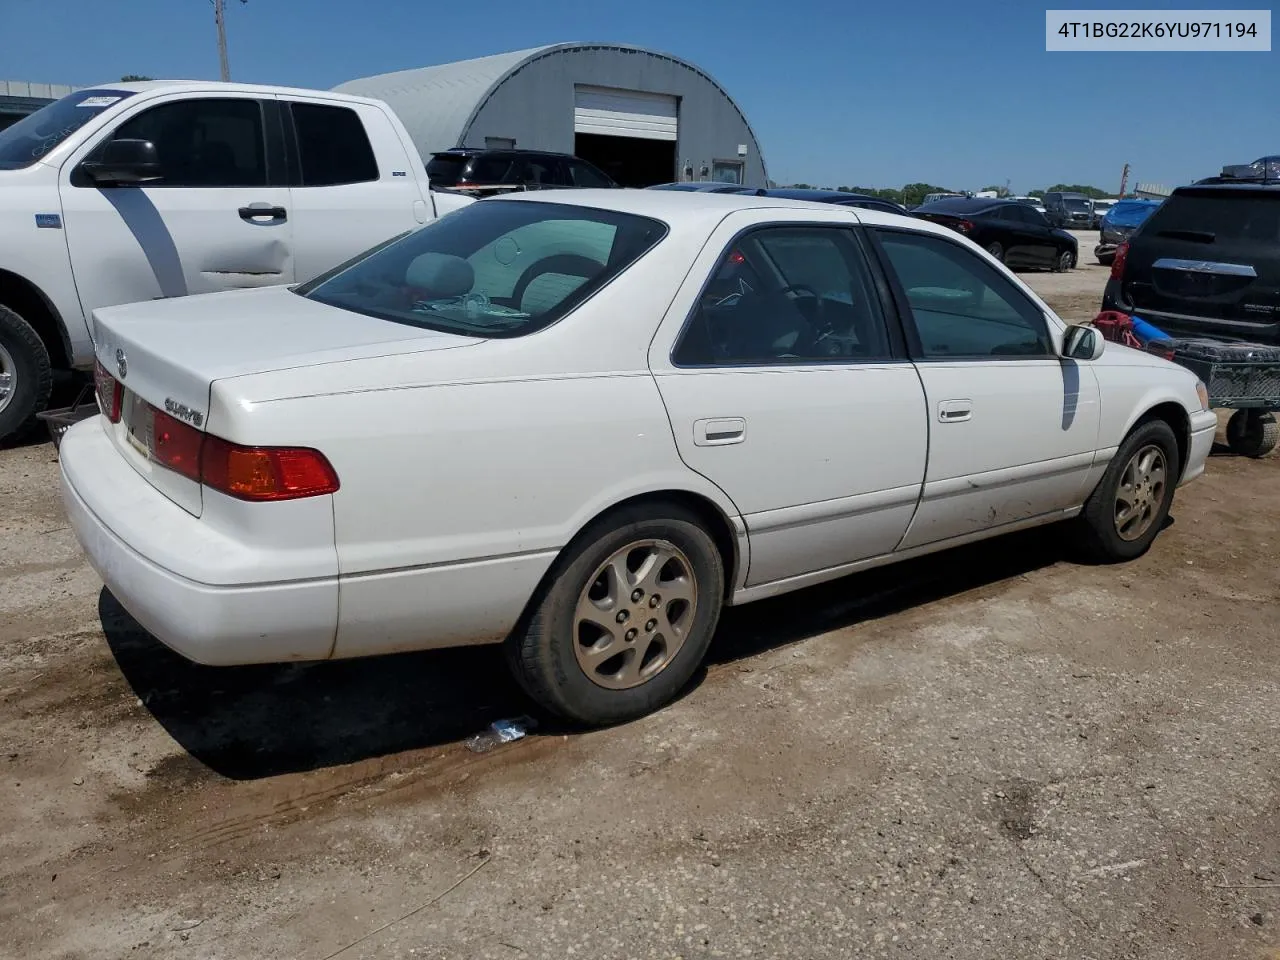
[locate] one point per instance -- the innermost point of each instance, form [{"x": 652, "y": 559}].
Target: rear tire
[
  {"x": 1064, "y": 261},
  {"x": 996, "y": 250},
  {"x": 600, "y": 644},
  {"x": 26, "y": 375},
  {"x": 1128, "y": 507},
  {"x": 1252, "y": 433}
]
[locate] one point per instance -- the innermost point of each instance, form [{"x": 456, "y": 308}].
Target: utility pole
[
  {"x": 219, "y": 18},
  {"x": 1124, "y": 180}
]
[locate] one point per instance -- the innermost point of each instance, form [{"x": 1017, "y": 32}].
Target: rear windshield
[
  {"x": 1226, "y": 215},
  {"x": 446, "y": 171},
  {"x": 1129, "y": 214},
  {"x": 35, "y": 135},
  {"x": 499, "y": 268}
]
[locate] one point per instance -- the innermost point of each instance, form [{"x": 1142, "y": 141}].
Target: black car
[
  {"x": 1206, "y": 263},
  {"x": 1068, "y": 210},
  {"x": 486, "y": 172},
  {"x": 1012, "y": 232},
  {"x": 840, "y": 197}
]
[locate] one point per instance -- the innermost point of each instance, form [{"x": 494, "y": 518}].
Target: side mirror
[
  {"x": 119, "y": 162},
  {"x": 1083, "y": 342}
]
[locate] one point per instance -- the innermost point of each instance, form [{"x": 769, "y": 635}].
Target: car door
[
  {"x": 786, "y": 387},
  {"x": 1013, "y": 426},
  {"x": 1006, "y": 227},
  {"x": 217, "y": 220},
  {"x": 343, "y": 201},
  {"x": 1042, "y": 245}
]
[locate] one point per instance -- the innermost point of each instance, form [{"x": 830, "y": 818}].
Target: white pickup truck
[{"x": 138, "y": 191}]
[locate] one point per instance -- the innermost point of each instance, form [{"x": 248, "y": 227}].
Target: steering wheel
[{"x": 820, "y": 328}]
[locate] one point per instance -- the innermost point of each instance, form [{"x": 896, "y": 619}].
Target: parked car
[
  {"x": 1264, "y": 168},
  {"x": 1100, "y": 208},
  {"x": 935, "y": 197},
  {"x": 1121, "y": 221},
  {"x": 136, "y": 191},
  {"x": 1012, "y": 232},
  {"x": 839, "y": 197},
  {"x": 1206, "y": 266},
  {"x": 1067, "y": 210},
  {"x": 705, "y": 186},
  {"x": 541, "y": 421},
  {"x": 488, "y": 172}
]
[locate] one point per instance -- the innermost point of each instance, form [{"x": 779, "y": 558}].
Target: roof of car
[
  {"x": 217, "y": 86},
  {"x": 798, "y": 193},
  {"x": 472, "y": 151},
  {"x": 967, "y": 204}
]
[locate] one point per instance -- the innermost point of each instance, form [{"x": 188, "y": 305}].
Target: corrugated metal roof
[{"x": 437, "y": 102}]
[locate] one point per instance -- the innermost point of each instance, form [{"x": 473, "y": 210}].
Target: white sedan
[{"x": 579, "y": 423}]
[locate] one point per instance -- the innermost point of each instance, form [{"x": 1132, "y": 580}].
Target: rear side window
[
  {"x": 204, "y": 143},
  {"x": 585, "y": 175},
  {"x": 333, "y": 147},
  {"x": 494, "y": 168},
  {"x": 446, "y": 170},
  {"x": 1251, "y": 216}
]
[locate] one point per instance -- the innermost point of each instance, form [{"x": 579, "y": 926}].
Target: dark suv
[
  {"x": 486, "y": 172},
  {"x": 1206, "y": 263},
  {"x": 1068, "y": 210}
]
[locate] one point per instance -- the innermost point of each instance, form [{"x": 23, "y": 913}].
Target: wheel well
[
  {"x": 1176, "y": 417},
  {"x": 25, "y": 299},
  {"x": 716, "y": 523}
]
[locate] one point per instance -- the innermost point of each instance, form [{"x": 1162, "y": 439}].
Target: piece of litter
[
  {"x": 500, "y": 732},
  {"x": 186, "y": 925}
]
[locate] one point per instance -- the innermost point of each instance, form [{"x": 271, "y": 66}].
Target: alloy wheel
[
  {"x": 8, "y": 378},
  {"x": 1140, "y": 492}
]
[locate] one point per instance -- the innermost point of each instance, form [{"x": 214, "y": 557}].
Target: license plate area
[{"x": 139, "y": 424}]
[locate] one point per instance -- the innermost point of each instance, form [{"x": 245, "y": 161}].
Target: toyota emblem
[{"x": 122, "y": 364}]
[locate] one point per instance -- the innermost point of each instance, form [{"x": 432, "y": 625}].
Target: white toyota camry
[{"x": 581, "y": 422}]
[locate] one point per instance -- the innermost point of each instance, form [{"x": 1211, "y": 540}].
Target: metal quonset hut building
[{"x": 642, "y": 117}]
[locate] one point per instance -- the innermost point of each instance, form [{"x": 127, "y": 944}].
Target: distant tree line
[{"x": 913, "y": 194}]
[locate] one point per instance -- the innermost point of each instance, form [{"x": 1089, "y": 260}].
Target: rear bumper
[
  {"x": 111, "y": 508},
  {"x": 1204, "y": 427}
]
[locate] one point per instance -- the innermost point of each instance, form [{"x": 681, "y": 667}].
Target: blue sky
[{"x": 876, "y": 94}]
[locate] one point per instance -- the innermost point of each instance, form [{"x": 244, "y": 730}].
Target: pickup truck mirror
[
  {"x": 120, "y": 162},
  {"x": 1082, "y": 342}
]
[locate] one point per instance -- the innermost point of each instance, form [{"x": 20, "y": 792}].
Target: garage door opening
[
  {"x": 631, "y": 161},
  {"x": 629, "y": 134}
]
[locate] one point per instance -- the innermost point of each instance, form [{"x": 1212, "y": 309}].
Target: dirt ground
[{"x": 989, "y": 753}]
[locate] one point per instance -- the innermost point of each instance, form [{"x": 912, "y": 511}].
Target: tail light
[
  {"x": 964, "y": 226},
  {"x": 1117, "y": 265},
  {"x": 247, "y": 473},
  {"x": 109, "y": 393},
  {"x": 265, "y": 473}
]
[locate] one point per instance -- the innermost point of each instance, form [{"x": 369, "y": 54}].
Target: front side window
[
  {"x": 963, "y": 307},
  {"x": 333, "y": 147},
  {"x": 499, "y": 268},
  {"x": 784, "y": 295},
  {"x": 28, "y": 140},
  {"x": 204, "y": 143}
]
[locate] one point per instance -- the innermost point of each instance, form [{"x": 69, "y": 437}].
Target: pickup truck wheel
[
  {"x": 1128, "y": 507},
  {"x": 1252, "y": 433},
  {"x": 624, "y": 617},
  {"x": 26, "y": 377}
]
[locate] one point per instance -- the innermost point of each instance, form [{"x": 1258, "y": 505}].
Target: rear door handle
[
  {"x": 955, "y": 411},
  {"x": 719, "y": 432},
  {"x": 264, "y": 213}
]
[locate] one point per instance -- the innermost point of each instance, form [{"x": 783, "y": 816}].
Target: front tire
[
  {"x": 623, "y": 618},
  {"x": 26, "y": 376},
  {"x": 1252, "y": 433},
  {"x": 1127, "y": 509}
]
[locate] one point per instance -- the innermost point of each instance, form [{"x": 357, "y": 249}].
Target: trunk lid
[
  {"x": 166, "y": 354},
  {"x": 1209, "y": 261}
]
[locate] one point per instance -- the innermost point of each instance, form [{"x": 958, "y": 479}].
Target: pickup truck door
[
  {"x": 355, "y": 183},
  {"x": 219, "y": 219}
]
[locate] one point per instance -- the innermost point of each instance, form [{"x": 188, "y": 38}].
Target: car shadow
[{"x": 250, "y": 722}]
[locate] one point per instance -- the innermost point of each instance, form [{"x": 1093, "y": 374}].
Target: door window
[
  {"x": 543, "y": 171},
  {"x": 784, "y": 295},
  {"x": 963, "y": 308},
  {"x": 585, "y": 175},
  {"x": 333, "y": 147},
  {"x": 204, "y": 143}
]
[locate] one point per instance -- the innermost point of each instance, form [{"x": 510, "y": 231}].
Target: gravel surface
[{"x": 988, "y": 753}]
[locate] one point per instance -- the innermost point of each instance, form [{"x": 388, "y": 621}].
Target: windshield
[
  {"x": 34, "y": 136},
  {"x": 499, "y": 268},
  {"x": 1074, "y": 203}
]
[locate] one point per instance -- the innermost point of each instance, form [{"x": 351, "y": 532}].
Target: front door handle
[
  {"x": 264, "y": 213},
  {"x": 719, "y": 432},
  {"x": 955, "y": 411}
]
